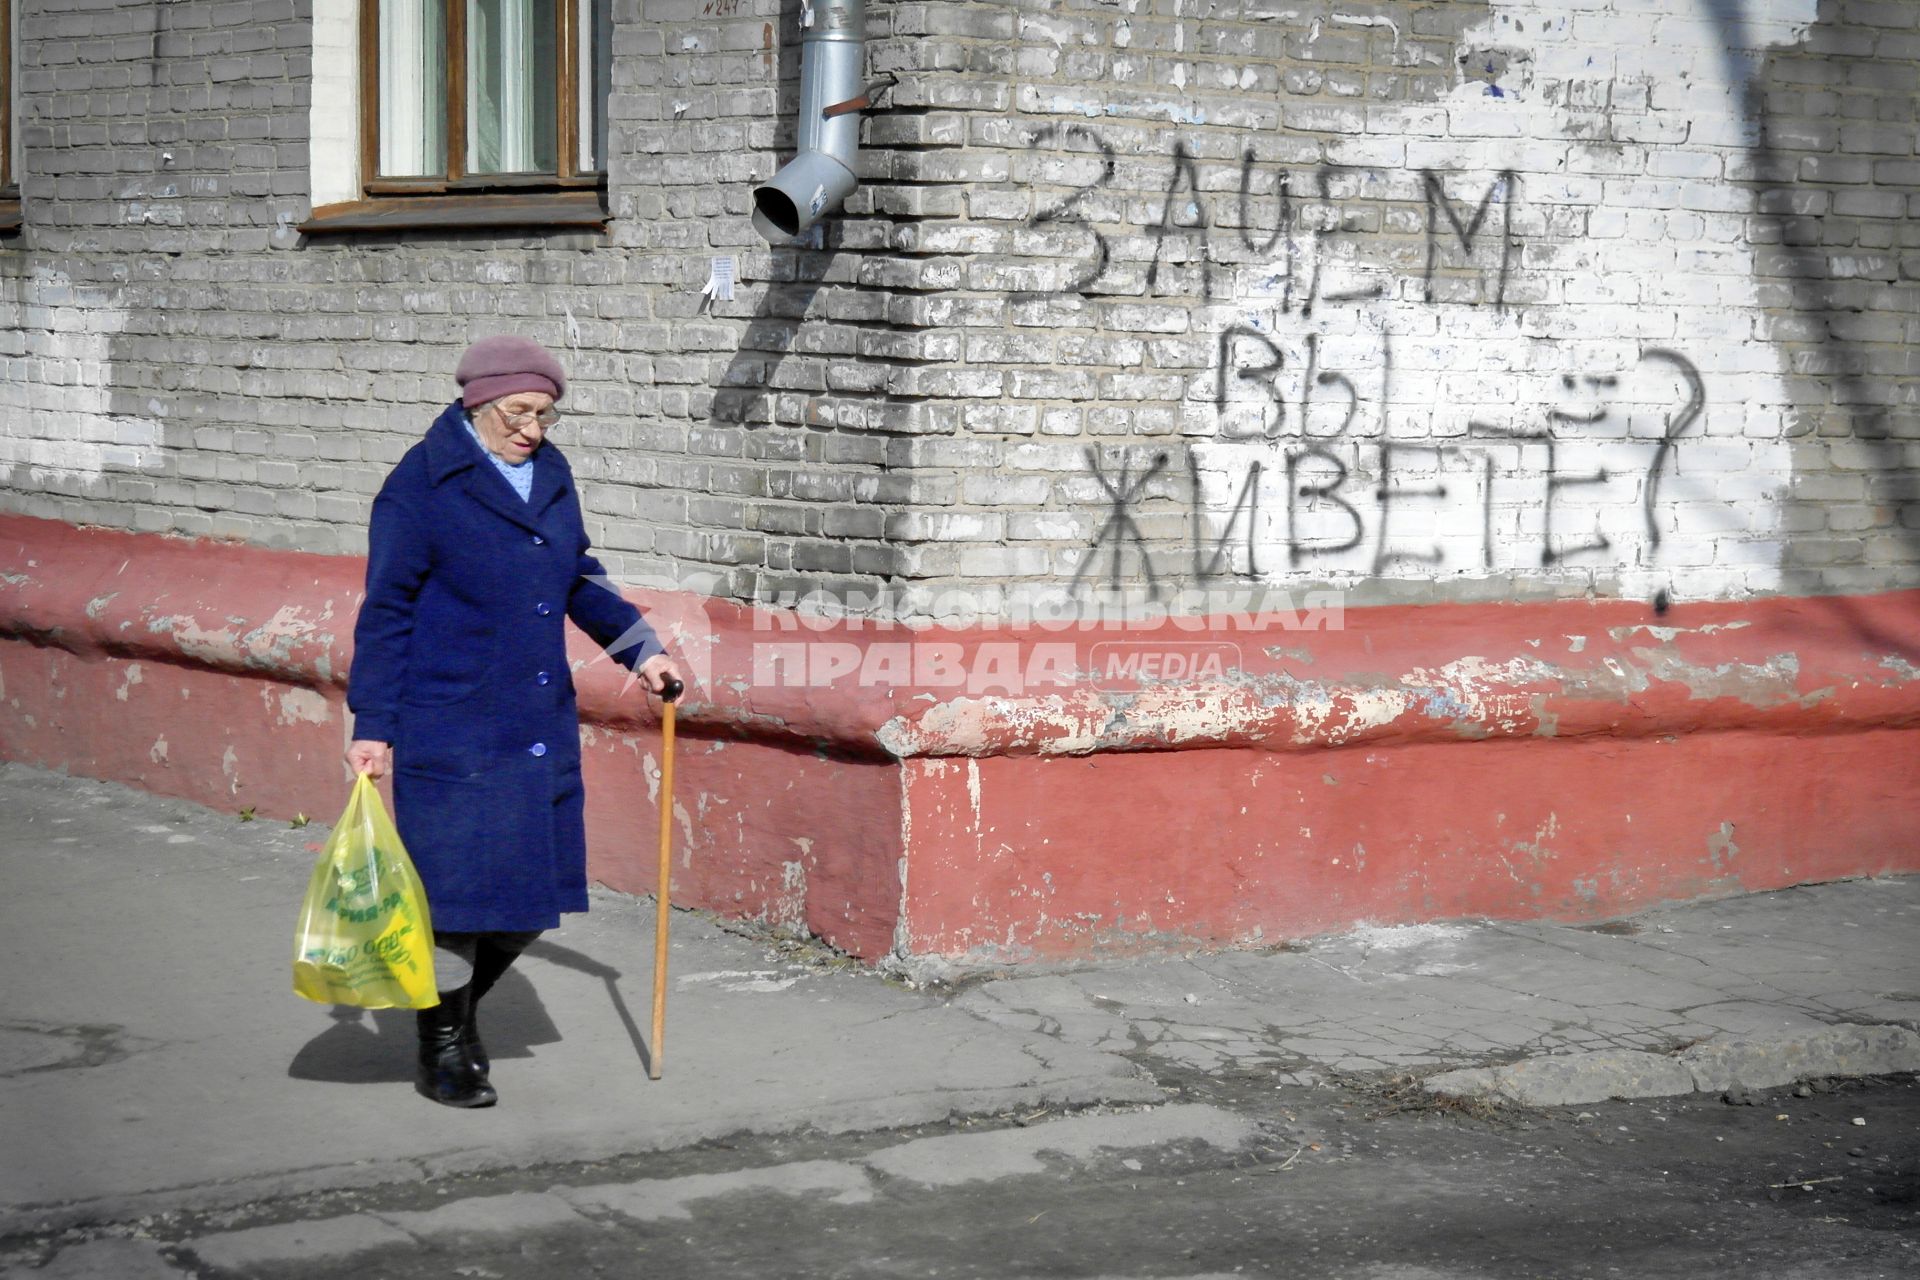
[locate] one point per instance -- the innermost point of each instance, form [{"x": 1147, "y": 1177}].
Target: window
[
  {"x": 474, "y": 112},
  {"x": 9, "y": 151}
]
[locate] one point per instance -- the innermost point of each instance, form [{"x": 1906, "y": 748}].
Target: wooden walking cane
[{"x": 672, "y": 689}]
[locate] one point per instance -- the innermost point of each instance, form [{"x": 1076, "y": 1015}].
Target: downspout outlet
[{"x": 820, "y": 175}]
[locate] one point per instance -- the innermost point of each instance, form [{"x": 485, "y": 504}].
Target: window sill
[
  {"x": 556, "y": 209},
  {"x": 11, "y": 219}
]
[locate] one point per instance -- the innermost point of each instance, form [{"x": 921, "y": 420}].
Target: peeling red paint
[
  {"x": 1565, "y": 759},
  {"x": 177, "y": 730}
]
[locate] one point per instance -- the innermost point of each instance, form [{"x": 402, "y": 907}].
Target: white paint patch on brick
[
  {"x": 62, "y": 432},
  {"x": 303, "y": 706},
  {"x": 1414, "y": 432},
  {"x": 334, "y": 118}
]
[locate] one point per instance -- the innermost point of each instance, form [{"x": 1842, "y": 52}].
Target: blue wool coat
[{"x": 459, "y": 661}]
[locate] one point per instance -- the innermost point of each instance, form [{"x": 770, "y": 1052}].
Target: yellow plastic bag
[{"x": 364, "y": 936}]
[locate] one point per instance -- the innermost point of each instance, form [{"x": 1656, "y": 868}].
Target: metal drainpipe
[{"x": 832, "y": 94}]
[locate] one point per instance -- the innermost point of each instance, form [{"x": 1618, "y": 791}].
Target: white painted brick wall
[{"x": 1068, "y": 313}]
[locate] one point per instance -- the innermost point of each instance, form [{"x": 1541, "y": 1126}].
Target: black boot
[
  {"x": 489, "y": 963},
  {"x": 447, "y": 1073}
]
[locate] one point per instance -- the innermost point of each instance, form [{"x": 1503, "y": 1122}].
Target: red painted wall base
[
  {"x": 1569, "y": 760},
  {"x": 1018, "y": 859}
]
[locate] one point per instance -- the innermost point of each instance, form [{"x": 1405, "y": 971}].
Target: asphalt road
[{"x": 1364, "y": 1182}]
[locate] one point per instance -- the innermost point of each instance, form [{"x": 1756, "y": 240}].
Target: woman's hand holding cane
[{"x": 670, "y": 690}]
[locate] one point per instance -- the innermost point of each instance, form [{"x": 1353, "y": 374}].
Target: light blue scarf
[{"x": 518, "y": 474}]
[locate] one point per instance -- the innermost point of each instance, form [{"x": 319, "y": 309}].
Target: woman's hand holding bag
[{"x": 364, "y": 937}]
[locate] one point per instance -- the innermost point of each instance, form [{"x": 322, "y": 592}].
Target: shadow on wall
[
  {"x": 839, "y": 385},
  {"x": 744, "y": 393},
  {"x": 1845, "y": 382}
]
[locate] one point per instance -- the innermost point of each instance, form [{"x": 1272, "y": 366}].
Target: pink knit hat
[{"x": 503, "y": 364}]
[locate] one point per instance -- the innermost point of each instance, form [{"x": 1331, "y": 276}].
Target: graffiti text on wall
[{"x": 1319, "y": 462}]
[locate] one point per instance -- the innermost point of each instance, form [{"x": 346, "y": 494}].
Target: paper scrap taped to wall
[{"x": 719, "y": 286}]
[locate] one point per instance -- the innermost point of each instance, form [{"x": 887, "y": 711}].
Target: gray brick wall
[{"x": 1424, "y": 300}]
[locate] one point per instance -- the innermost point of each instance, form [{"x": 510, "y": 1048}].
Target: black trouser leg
[{"x": 494, "y": 954}]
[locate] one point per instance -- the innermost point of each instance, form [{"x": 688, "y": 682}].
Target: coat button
[
  {"x": 542, "y": 678},
  {"x": 543, "y": 608},
  {"x": 538, "y": 748},
  {"x": 539, "y": 541}
]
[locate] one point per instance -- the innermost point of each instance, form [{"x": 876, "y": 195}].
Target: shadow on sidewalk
[
  {"x": 554, "y": 953},
  {"x": 377, "y": 1046}
]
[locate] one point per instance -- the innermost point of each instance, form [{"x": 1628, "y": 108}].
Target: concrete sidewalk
[{"x": 152, "y": 1056}]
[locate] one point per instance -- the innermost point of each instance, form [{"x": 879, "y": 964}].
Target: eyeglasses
[{"x": 548, "y": 418}]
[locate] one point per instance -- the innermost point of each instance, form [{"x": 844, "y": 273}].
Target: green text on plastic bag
[{"x": 364, "y": 936}]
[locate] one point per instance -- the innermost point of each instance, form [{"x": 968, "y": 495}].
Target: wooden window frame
[
  {"x": 566, "y": 198},
  {"x": 11, "y": 217}
]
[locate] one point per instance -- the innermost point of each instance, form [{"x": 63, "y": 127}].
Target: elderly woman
[{"x": 460, "y": 683}]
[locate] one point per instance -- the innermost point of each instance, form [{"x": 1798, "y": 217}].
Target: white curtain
[
  {"x": 510, "y": 86},
  {"x": 6, "y": 101},
  {"x": 413, "y": 88},
  {"x": 596, "y": 82}
]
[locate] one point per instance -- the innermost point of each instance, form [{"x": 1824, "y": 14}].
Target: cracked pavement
[
  {"x": 1759, "y": 990},
  {"x": 1426, "y": 996},
  {"x": 153, "y": 1058}
]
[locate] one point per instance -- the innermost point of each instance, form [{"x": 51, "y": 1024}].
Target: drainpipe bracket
[{"x": 847, "y": 108}]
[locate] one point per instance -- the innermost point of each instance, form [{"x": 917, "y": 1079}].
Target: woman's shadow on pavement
[{"x": 378, "y": 1046}]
